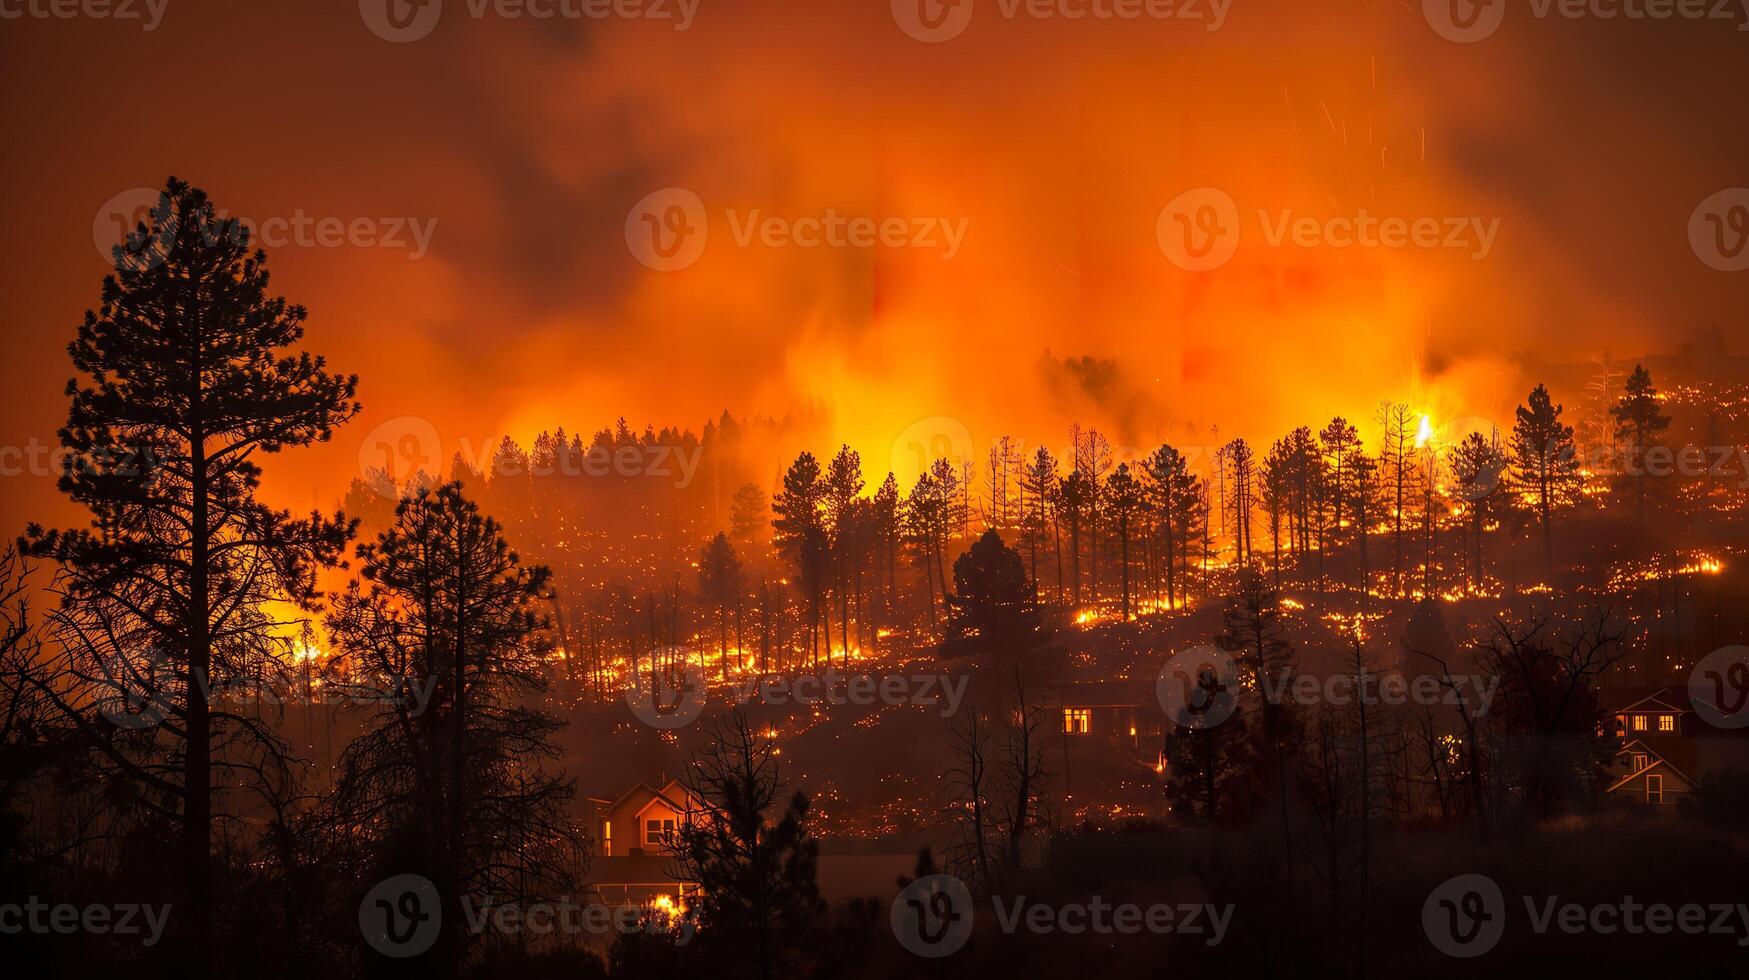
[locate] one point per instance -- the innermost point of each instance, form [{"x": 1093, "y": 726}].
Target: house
[
  {"x": 1108, "y": 738},
  {"x": 642, "y": 821},
  {"x": 634, "y": 864},
  {"x": 1643, "y": 776},
  {"x": 1667, "y": 750},
  {"x": 634, "y": 861},
  {"x": 1112, "y": 711},
  {"x": 1662, "y": 714}
]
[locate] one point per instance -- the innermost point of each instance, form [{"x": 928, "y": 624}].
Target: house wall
[
  {"x": 1634, "y": 791},
  {"x": 627, "y": 826}
]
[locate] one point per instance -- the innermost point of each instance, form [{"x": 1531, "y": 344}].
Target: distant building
[
  {"x": 635, "y": 836},
  {"x": 635, "y": 864},
  {"x": 643, "y": 820},
  {"x": 1116, "y": 712},
  {"x": 1108, "y": 737},
  {"x": 1666, "y": 749}
]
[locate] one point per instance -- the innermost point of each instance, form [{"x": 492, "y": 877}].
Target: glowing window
[
  {"x": 1666, "y": 723},
  {"x": 1077, "y": 721},
  {"x": 607, "y": 838},
  {"x": 1639, "y": 723}
]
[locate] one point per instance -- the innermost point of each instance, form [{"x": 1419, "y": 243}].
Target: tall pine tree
[{"x": 187, "y": 375}]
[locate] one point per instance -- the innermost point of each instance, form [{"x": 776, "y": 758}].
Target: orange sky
[{"x": 1054, "y": 145}]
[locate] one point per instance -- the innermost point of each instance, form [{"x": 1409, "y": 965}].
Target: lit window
[
  {"x": 607, "y": 838},
  {"x": 1077, "y": 721},
  {"x": 1666, "y": 723},
  {"x": 1639, "y": 723},
  {"x": 1654, "y": 789}
]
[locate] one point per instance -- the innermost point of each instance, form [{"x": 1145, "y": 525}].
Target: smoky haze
[{"x": 1051, "y": 147}]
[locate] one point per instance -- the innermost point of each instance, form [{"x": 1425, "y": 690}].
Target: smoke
[{"x": 1053, "y": 145}]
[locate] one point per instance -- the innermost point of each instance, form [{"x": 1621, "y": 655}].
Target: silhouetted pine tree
[
  {"x": 188, "y": 374},
  {"x": 453, "y": 783}
]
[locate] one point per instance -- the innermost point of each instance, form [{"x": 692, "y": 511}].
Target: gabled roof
[
  {"x": 659, "y": 798},
  {"x": 1653, "y": 761},
  {"x": 674, "y": 794},
  {"x": 621, "y": 798},
  {"x": 677, "y": 791}
]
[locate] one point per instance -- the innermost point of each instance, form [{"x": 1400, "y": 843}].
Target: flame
[{"x": 1424, "y": 435}]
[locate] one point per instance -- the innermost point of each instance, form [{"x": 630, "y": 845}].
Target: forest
[{"x": 239, "y": 731}]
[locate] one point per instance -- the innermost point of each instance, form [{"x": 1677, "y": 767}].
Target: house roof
[
  {"x": 621, "y": 798},
  {"x": 659, "y": 798},
  {"x": 674, "y": 794},
  {"x": 1654, "y": 760}
]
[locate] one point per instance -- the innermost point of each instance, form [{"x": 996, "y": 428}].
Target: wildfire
[
  {"x": 1424, "y": 435},
  {"x": 1705, "y": 566},
  {"x": 1655, "y": 571}
]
